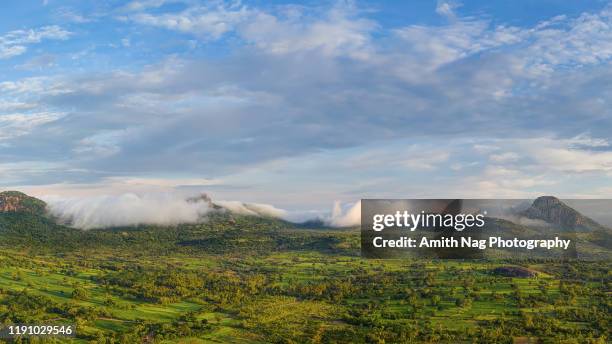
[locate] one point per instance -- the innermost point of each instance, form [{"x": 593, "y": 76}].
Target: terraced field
[{"x": 319, "y": 295}]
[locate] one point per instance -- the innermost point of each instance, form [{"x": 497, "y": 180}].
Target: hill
[
  {"x": 15, "y": 201},
  {"x": 559, "y": 214},
  {"x": 24, "y": 223}
]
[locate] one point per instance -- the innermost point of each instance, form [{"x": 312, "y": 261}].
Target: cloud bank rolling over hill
[{"x": 173, "y": 208}]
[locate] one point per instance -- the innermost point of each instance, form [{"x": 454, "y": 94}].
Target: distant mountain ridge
[
  {"x": 545, "y": 208},
  {"x": 24, "y": 222},
  {"x": 552, "y": 210}
]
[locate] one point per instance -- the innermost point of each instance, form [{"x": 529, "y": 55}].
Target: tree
[
  {"x": 80, "y": 293},
  {"x": 435, "y": 300}
]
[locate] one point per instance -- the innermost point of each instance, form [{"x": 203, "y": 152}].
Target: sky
[{"x": 302, "y": 104}]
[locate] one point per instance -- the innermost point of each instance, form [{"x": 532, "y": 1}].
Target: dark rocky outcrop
[
  {"x": 554, "y": 211},
  {"x": 14, "y": 201},
  {"x": 204, "y": 198}
]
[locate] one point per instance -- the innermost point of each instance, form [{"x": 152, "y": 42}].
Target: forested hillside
[{"x": 247, "y": 279}]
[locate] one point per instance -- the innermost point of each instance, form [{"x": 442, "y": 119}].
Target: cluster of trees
[
  {"x": 149, "y": 332},
  {"x": 163, "y": 286},
  {"x": 25, "y": 307}
]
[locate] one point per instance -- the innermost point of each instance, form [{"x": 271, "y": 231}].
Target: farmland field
[{"x": 257, "y": 282}]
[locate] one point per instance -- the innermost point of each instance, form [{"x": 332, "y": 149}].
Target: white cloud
[
  {"x": 565, "y": 159},
  {"x": 570, "y": 42},
  {"x": 254, "y": 209},
  {"x": 434, "y": 46},
  {"x": 140, "y": 5},
  {"x": 15, "y": 42},
  {"x": 584, "y": 140},
  {"x": 347, "y": 216},
  {"x": 577, "y": 154},
  {"x": 18, "y": 124},
  {"x": 548, "y": 165},
  {"x": 514, "y": 179},
  {"x": 101, "y": 144},
  {"x": 11, "y": 51},
  {"x": 528, "y": 52},
  {"x": 29, "y": 85},
  {"x": 7, "y": 105},
  {"x": 207, "y": 22},
  {"x": 155, "y": 208},
  {"x": 447, "y": 8},
  {"x": 127, "y": 210},
  {"x": 337, "y": 33}
]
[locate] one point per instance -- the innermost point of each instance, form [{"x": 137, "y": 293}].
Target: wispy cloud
[
  {"x": 18, "y": 124},
  {"x": 14, "y": 43},
  {"x": 205, "y": 21},
  {"x": 447, "y": 8},
  {"x": 337, "y": 32}
]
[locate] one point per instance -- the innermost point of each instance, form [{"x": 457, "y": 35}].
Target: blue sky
[{"x": 301, "y": 104}]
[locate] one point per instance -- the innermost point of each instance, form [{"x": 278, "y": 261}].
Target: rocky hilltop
[
  {"x": 14, "y": 201},
  {"x": 554, "y": 211},
  {"x": 204, "y": 198}
]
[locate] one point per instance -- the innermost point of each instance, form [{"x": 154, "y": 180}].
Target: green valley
[{"x": 247, "y": 279}]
